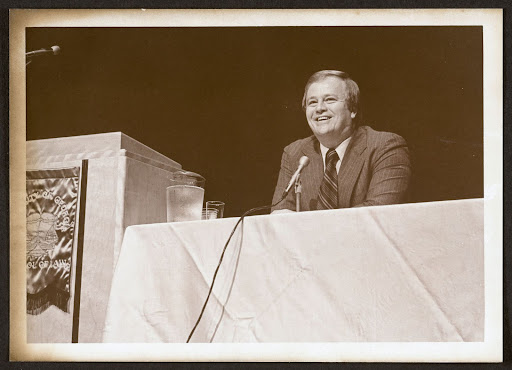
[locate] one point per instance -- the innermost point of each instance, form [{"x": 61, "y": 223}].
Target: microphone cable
[{"x": 222, "y": 257}]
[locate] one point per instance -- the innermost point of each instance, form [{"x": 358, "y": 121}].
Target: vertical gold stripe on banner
[{"x": 79, "y": 252}]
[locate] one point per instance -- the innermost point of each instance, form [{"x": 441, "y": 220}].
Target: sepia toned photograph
[{"x": 254, "y": 185}]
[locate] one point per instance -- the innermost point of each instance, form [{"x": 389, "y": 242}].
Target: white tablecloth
[{"x": 409, "y": 272}]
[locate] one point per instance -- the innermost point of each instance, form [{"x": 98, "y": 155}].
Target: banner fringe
[{"x": 39, "y": 302}]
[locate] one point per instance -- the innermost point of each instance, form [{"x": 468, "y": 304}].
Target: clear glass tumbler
[
  {"x": 209, "y": 214},
  {"x": 216, "y": 204}
]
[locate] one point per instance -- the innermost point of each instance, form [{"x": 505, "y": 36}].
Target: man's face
[{"x": 327, "y": 110}]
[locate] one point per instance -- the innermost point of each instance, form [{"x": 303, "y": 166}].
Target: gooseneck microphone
[
  {"x": 303, "y": 162},
  {"x": 53, "y": 50}
]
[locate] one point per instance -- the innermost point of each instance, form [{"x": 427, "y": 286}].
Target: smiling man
[{"x": 350, "y": 165}]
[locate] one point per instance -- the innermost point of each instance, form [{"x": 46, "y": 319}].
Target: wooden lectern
[{"x": 125, "y": 185}]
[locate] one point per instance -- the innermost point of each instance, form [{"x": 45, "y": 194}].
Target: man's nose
[{"x": 320, "y": 106}]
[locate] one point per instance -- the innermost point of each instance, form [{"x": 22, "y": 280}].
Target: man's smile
[{"x": 323, "y": 118}]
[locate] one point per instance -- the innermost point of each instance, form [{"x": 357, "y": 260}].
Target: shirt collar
[{"x": 340, "y": 149}]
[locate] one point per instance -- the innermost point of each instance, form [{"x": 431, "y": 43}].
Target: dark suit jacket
[{"x": 375, "y": 170}]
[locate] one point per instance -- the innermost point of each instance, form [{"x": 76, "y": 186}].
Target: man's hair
[{"x": 353, "y": 89}]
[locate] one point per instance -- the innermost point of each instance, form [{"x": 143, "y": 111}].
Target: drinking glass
[
  {"x": 218, "y": 205},
  {"x": 209, "y": 214},
  {"x": 185, "y": 195}
]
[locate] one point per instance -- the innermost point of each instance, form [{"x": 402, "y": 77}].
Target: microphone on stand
[
  {"x": 303, "y": 162},
  {"x": 53, "y": 50}
]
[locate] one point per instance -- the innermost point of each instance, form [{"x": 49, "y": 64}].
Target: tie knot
[{"x": 332, "y": 156}]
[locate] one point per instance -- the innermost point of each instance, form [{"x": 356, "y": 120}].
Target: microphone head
[
  {"x": 55, "y": 49},
  {"x": 303, "y": 161}
]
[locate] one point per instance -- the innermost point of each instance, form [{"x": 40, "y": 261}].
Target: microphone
[
  {"x": 53, "y": 50},
  {"x": 303, "y": 162}
]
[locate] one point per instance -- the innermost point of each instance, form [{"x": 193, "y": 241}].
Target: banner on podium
[{"x": 51, "y": 206}]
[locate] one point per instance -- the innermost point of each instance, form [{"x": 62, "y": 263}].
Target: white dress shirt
[{"x": 340, "y": 149}]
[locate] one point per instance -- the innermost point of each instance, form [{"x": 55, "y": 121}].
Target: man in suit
[{"x": 349, "y": 165}]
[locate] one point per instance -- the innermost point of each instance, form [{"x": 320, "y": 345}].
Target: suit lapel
[
  {"x": 315, "y": 170},
  {"x": 350, "y": 168}
]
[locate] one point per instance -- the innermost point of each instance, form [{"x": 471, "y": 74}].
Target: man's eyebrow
[{"x": 323, "y": 96}]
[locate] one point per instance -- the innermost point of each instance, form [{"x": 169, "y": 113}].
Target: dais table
[{"x": 412, "y": 272}]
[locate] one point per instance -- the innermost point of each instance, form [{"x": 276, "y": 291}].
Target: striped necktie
[{"x": 328, "y": 195}]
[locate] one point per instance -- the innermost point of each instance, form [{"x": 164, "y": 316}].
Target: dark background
[{"x": 225, "y": 101}]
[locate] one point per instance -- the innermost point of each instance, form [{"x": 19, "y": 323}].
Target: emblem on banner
[{"x": 41, "y": 235}]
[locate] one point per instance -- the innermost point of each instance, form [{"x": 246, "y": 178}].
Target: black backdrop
[{"x": 224, "y": 101}]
